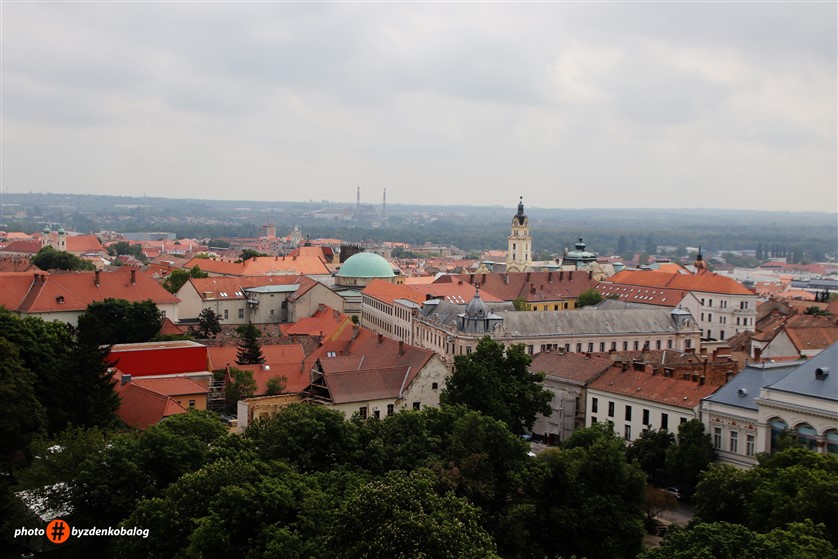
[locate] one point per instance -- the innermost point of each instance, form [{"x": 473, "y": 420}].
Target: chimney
[
  {"x": 471, "y": 278},
  {"x": 528, "y": 276},
  {"x": 704, "y": 351},
  {"x": 380, "y": 338},
  {"x": 401, "y": 347},
  {"x": 612, "y": 354},
  {"x": 133, "y": 277},
  {"x": 757, "y": 354},
  {"x": 590, "y": 274},
  {"x": 728, "y": 376},
  {"x": 570, "y": 275},
  {"x": 588, "y": 354},
  {"x": 96, "y": 278},
  {"x": 701, "y": 380},
  {"x": 549, "y": 277},
  {"x": 125, "y": 380}
]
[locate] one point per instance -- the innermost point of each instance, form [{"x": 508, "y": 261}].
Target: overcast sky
[{"x": 577, "y": 105}]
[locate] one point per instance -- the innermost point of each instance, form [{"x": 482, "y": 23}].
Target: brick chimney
[
  {"x": 96, "y": 278},
  {"x": 133, "y": 277}
]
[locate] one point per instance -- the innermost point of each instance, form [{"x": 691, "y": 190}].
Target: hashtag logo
[{"x": 58, "y": 531}]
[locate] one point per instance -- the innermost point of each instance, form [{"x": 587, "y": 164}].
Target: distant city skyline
[{"x": 570, "y": 105}]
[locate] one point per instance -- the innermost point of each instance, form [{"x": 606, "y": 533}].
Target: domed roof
[
  {"x": 476, "y": 308},
  {"x": 366, "y": 265}
]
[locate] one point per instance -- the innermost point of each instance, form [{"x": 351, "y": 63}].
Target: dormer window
[{"x": 60, "y": 299}]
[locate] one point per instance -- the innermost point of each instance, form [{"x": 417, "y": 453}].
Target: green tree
[
  {"x": 117, "y": 321},
  {"x": 722, "y": 494},
  {"x": 419, "y": 523},
  {"x": 587, "y": 500},
  {"x": 311, "y": 437},
  {"x": 649, "y": 450},
  {"x": 250, "y": 350},
  {"x": 177, "y": 278},
  {"x": 249, "y": 253},
  {"x": 23, "y": 418},
  {"x": 692, "y": 455},
  {"x": 208, "y": 324},
  {"x": 498, "y": 383},
  {"x": 589, "y": 297},
  {"x": 124, "y": 247},
  {"x": 239, "y": 385},
  {"x": 50, "y": 259},
  {"x": 276, "y": 385}
]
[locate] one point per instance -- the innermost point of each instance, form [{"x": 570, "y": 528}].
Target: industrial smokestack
[
  {"x": 384, "y": 205},
  {"x": 358, "y": 198}
]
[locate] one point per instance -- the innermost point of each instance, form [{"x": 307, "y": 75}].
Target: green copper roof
[{"x": 366, "y": 265}]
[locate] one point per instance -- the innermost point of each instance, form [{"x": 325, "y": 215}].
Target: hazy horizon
[{"x": 570, "y": 105}]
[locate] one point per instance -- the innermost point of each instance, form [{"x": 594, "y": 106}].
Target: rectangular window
[
  {"x": 658, "y": 344},
  {"x": 578, "y": 348},
  {"x": 717, "y": 437},
  {"x": 636, "y": 345},
  {"x": 226, "y": 314},
  {"x": 272, "y": 312},
  {"x": 734, "y": 441},
  {"x": 241, "y": 313},
  {"x": 614, "y": 346},
  {"x": 710, "y": 304},
  {"x": 610, "y": 409},
  {"x": 668, "y": 344},
  {"x": 376, "y": 414},
  {"x": 601, "y": 347},
  {"x": 646, "y": 417},
  {"x": 628, "y": 432},
  {"x": 665, "y": 421},
  {"x": 416, "y": 406},
  {"x": 628, "y": 413},
  {"x": 594, "y": 405},
  {"x": 362, "y": 411},
  {"x": 468, "y": 349},
  {"x": 750, "y": 445},
  {"x": 590, "y": 347},
  {"x": 191, "y": 403},
  {"x": 683, "y": 420},
  {"x": 722, "y": 335},
  {"x": 625, "y": 346},
  {"x": 391, "y": 409},
  {"x": 162, "y": 314},
  {"x": 593, "y": 420}
]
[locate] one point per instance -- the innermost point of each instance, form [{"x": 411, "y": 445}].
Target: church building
[{"x": 519, "y": 254}]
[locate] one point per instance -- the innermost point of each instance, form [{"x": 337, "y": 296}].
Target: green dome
[{"x": 366, "y": 265}]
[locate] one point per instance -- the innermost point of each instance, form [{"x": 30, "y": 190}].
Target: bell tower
[{"x": 519, "y": 249}]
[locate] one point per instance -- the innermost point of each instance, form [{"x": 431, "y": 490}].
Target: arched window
[
  {"x": 778, "y": 427},
  {"x": 807, "y": 436},
  {"x": 832, "y": 442}
]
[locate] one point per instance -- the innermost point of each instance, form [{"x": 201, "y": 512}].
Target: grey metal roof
[
  {"x": 589, "y": 322},
  {"x": 805, "y": 380},
  {"x": 744, "y": 387},
  {"x": 620, "y": 304},
  {"x": 447, "y": 312}
]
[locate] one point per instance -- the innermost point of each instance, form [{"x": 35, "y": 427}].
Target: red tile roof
[
  {"x": 672, "y": 391},
  {"x": 457, "y": 293},
  {"x": 325, "y": 322},
  {"x": 264, "y": 265},
  {"x": 704, "y": 282},
  {"x": 367, "y": 385},
  {"x": 14, "y": 286},
  {"x": 274, "y": 354},
  {"x": 645, "y": 295},
  {"x": 74, "y": 291},
  {"x": 296, "y": 376},
  {"x": 15, "y": 264},
  {"x": 27, "y": 247},
  {"x": 171, "y": 386},
  {"x": 141, "y": 407},
  {"x": 387, "y": 292},
  {"x": 534, "y": 287},
  {"x": 576, "y": 367}
]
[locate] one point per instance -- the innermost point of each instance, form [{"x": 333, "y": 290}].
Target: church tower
[{"x": 519, "y": 253}]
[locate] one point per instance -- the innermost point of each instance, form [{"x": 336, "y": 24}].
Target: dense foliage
[
  {"x": 50, "y": 259},
  {"x": 249, "y": 348},
  {"x": 178, "y": 277},
  {"x": 117, "y": 321},
  {"x": 497, "y": 382}
]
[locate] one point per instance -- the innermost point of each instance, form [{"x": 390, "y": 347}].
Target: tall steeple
[
  {"x": 519, "y": 249},
  {"x": 699, "y": 261}
]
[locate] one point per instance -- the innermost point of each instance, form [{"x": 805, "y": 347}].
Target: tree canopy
[
  {"x": 177, "y": 278},
  {"x": 250, "y": 350},
  {"x": 497, "y": 382},
  {"x": 117, "y": 321},
  {"x": 589, "y": 297},
  {"x": 50, "y": 259}
]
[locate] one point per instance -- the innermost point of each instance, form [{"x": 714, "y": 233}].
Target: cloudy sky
[{"x": 578, "y": 105}]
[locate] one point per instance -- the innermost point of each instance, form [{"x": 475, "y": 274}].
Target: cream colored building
[{"x": 519, "y": 253}]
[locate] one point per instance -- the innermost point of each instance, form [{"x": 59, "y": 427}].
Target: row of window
[
  {"x": 743, "y": 305},
  {"x": 363, "y": 411},
  {"x": 733, "y": 442},
  {"x": 628, "y": 411}
]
